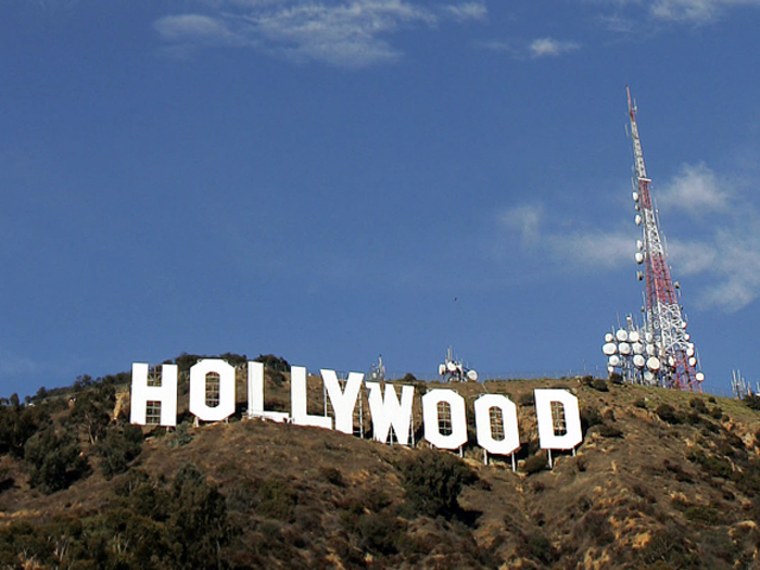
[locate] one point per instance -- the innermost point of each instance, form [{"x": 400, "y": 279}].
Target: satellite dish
[
  {"x": 692, "y": 361},
  {"x": 639, "y": 257},
  {"x": 638, "y": 348},
  {"x": 610, "y": 369},
  {"x": 635, "y": 196},
  {"x": 690, "y": 350},
  {"x": 609, "y": 337},
  {"x": 649, "y": 337},
  {"x": 653, "y": 363},
  {"x": 441, "y": 369},
  {"x": 614, "y": 360},
  {"x": 700, "y": 377},
  {"x": 639, "y": 244},
  {"x": 637, "y": 219},
  {"x": 687, "y": 336},
  {"x": 472, "y": 375},
  {"x": 625, "y": 348},
  {"x": 451, "y": 367},
  {"x": 634, "y": 336},
  {"x": 609, "y": 348},
  {"x": 651, "y": 349},
  {"x": 648, "y": 376},
  {"x": 671, "y": 360},
  {"x": 621, "y": 335}
]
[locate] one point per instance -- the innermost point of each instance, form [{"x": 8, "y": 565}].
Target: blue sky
[{"x": 328, "y": 180}]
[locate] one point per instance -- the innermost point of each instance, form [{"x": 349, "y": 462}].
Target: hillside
[{"x": 663, "y": 479}]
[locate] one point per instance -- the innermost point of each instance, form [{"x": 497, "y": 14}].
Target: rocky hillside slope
[{"x": 663, "y": 479}]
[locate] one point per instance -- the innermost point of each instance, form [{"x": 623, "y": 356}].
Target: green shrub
[
  {"x": 590, "y": 417},
  {"x": 668, "y": 413},
  {"x": 118, "y": 448},
  {"x": 600, "y": 385},
  {"x": 273, "y": 362},
  {"x": 539, "y": 547},
  {"x": 713, "y": 465},
  {"x": 18, "y": 424},
  {"x": 535, "y": 463},
  {"x": 275, "y": 499},
  {"x": 606, "y": 430},
  {"x": 333, "y": 475},
  {"x": 197, "y": 525},
  {"x": 699, "y": 405},
  {"x": 54, "y": 460},
  {"x": 433, "y": 480},
  {"x": 752, "y": 401},
  {"x": 705, "y": 515},
  {"x": 380, "y": 533},
  {"x": 527, "y": 399}
]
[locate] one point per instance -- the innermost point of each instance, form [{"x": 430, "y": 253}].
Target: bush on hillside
[
  {"x": 54, "y": 460},
  {"x": 668, "y": 413},
  {"x": 752, "y": 401},
  {"x": 535, "y": 463},
  {"x": 433, "y": 480},
  {"x": 273, "y": 362},
  {"x": 118, "y": 448}
]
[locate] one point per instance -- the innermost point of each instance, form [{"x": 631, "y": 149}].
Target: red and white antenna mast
[{"x": 665, "y": 322}]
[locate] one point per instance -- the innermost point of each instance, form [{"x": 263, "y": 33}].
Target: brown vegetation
[{"x": 663, "y": 479}]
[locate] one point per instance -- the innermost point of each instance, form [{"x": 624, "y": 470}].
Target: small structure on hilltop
[
  {"x": 453, "y": 370},
  {"x": 377, "y": 370}
]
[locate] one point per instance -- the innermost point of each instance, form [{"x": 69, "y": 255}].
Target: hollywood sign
[{"x": 387, "y": 411}]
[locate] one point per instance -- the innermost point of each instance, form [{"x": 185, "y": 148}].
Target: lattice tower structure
[{"x": 664, "y": 317}]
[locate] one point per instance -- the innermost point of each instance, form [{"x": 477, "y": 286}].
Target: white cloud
[
  {"x": 722, "y": 257},
  {"x": 192, "y": 27},
  {"x": 343, "y": 33},
  {"x": 549, "y": 47},
  {"x": 593, "y": 249},
  {"x": 735, "y": 270},
  {"x": 468, "y": 11},
  {"x": 596, "y": 248},
  {"x": 526, "y": 220},
  {"x": 685, "y": 10},
  {"x": 693, "y": 257},
  {"x": 680, "y": 11},
  {"x": 695, "y": 190}
]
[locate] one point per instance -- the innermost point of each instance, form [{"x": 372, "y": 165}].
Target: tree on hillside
[
  {"x": 118, "y": 447},
  {"x": 198, "y": 520},
  {"x": 18, "y": 423},
  {"x": 54, "y": 459},
  {"x": 93, "y": 409}
]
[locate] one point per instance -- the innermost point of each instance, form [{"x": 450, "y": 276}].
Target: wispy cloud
[
  {"x": 535, "y": 49},
  {"x": 343, "y": 33},
  {"x": 467, "y": 11},
  {"x": 194, "y": 28},
  {"x": 595, "y": 248},
  {"x": 725, "y": 254},
  {"x": 695, "y": 12},
  {"x": 525, "y": 219},
  {"x": 696, "y": 190},
  {"x": 550, "y": 47}
]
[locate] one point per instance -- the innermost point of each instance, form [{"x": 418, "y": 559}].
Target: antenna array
[{"x": 673, "y": 359}]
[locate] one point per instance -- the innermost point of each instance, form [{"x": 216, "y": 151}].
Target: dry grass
[{"x": 631, "y": 501}]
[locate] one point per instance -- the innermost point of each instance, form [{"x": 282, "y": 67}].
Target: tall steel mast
[{"x": 664, "y": 319}]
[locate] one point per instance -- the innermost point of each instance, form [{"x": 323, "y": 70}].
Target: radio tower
[{"x": 664, "y": 320}]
